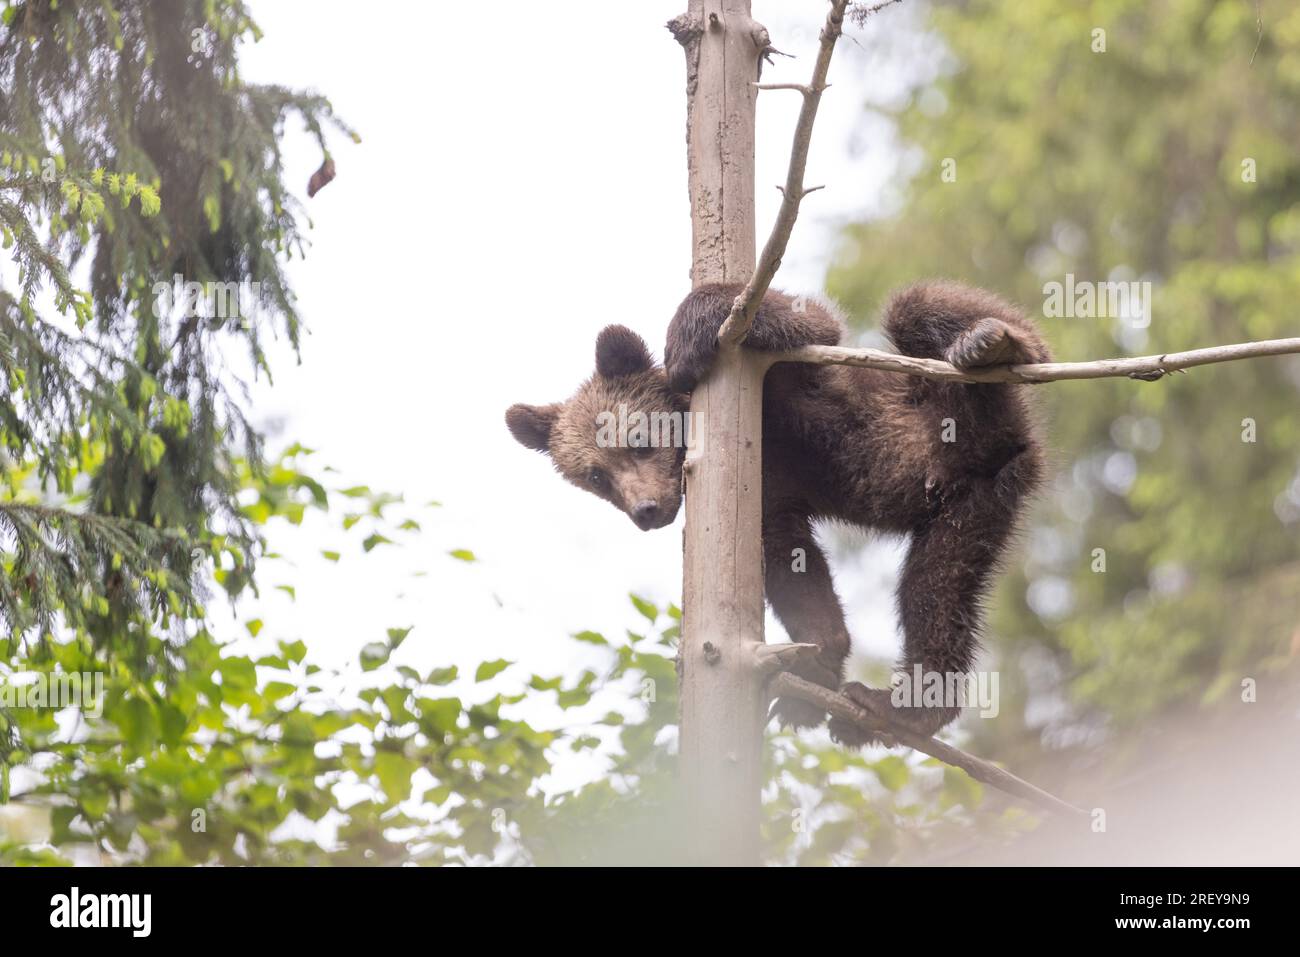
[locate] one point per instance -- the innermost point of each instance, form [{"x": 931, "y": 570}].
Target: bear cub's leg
[
  {"x": 951, "y": 563},
  {"x": 781, "y": 323},
  {"x": 799, "y": 587},
  {"x": 968, "y": 327},
  {"x": 974, "y": 493}
]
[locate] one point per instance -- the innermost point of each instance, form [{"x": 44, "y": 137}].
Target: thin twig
[
  {"x": 801, "y": 87},
  {"x": 1147, "y": 368},
  {"x": 1259, "y": 33},
  {"x": 859, "y": 13},
  {"x": 745, "y": 307},
  {"x": 788, "y": 685}
]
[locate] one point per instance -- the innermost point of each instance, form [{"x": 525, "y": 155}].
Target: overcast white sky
[{"x": 521, "y": 183}]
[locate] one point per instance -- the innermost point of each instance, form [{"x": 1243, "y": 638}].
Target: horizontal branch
[
  {"x": 1147, "y": 368},
  {"x": 838, "y": 706}
]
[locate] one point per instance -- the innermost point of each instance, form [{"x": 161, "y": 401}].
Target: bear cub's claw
[
  {"x": 874, "y": 700},
  {"x": 925, "y": 721},
  {"x": 796, "y": 714}
]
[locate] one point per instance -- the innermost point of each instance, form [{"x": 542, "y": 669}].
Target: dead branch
[
  {"x": 1146, "y": 368},
  {"x": 745, "y": 307},
  {"x": 769, "y": 659},
  {"x": 788, "y": 685}
]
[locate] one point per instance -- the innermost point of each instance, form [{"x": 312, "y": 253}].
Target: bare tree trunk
[{"x": 722, "y": 700}]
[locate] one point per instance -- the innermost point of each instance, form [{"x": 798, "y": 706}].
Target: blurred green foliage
[
  {"x": 248, "y": 753},
  {"x": 1166, "y": 157}
]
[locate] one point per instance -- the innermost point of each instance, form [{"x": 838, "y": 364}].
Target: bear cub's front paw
[
  {"x": 826, "y": 670},
  {"x": 687, "y": 366}
]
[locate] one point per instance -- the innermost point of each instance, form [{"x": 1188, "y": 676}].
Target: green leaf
[
  {"x": 172, "y": 723},
  {"x": 490, "y": 669},
  {"x": 960, "y": 788},
  {"x": 650, "y": 611},
  {"x": 374, "y": 654},
  {"x": 394, "y": 771},
  {"x": 892, "y": 771},
  {"x": 238, "y": 674},
  {"x": 374, "y": 540},
  {"x": 439, "y": 715},
  {"x": 463, "y": 554},
  {"x": 137, "y": 720},
  {"x": 442, "y": 676},
  {"x": 572, "y": 698}
]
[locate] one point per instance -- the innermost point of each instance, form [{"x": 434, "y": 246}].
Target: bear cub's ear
[
  {"x": 531, "y": 424},
  {"x": 620, "y": 352}
]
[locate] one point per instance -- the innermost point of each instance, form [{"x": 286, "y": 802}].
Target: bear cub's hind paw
[
  {"x": 874, "y": 700},
  {"x": 990, "y": 342},
  {"x": 796, "y": 714},
  {"x": 924, "y": 721}
]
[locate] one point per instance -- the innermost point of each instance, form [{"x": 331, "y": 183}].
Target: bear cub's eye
[{"x": 596, "y": 478}]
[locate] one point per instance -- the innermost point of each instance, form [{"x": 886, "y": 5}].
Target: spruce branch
[{"x": 56, "y": 561}]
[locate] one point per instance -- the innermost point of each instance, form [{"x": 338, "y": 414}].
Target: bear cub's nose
[{"x": 644, "y": 513}]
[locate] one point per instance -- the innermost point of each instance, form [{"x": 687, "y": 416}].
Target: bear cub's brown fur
[{"x": 949, "y": 464}]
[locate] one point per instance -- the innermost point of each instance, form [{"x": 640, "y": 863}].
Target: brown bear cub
[{"x": 950, "y": 464}]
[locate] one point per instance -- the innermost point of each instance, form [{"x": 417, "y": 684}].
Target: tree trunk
[{"x": 722, "y": 701}]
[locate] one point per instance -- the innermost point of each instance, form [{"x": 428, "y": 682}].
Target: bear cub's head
[{"x": 623, "y": 434}]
